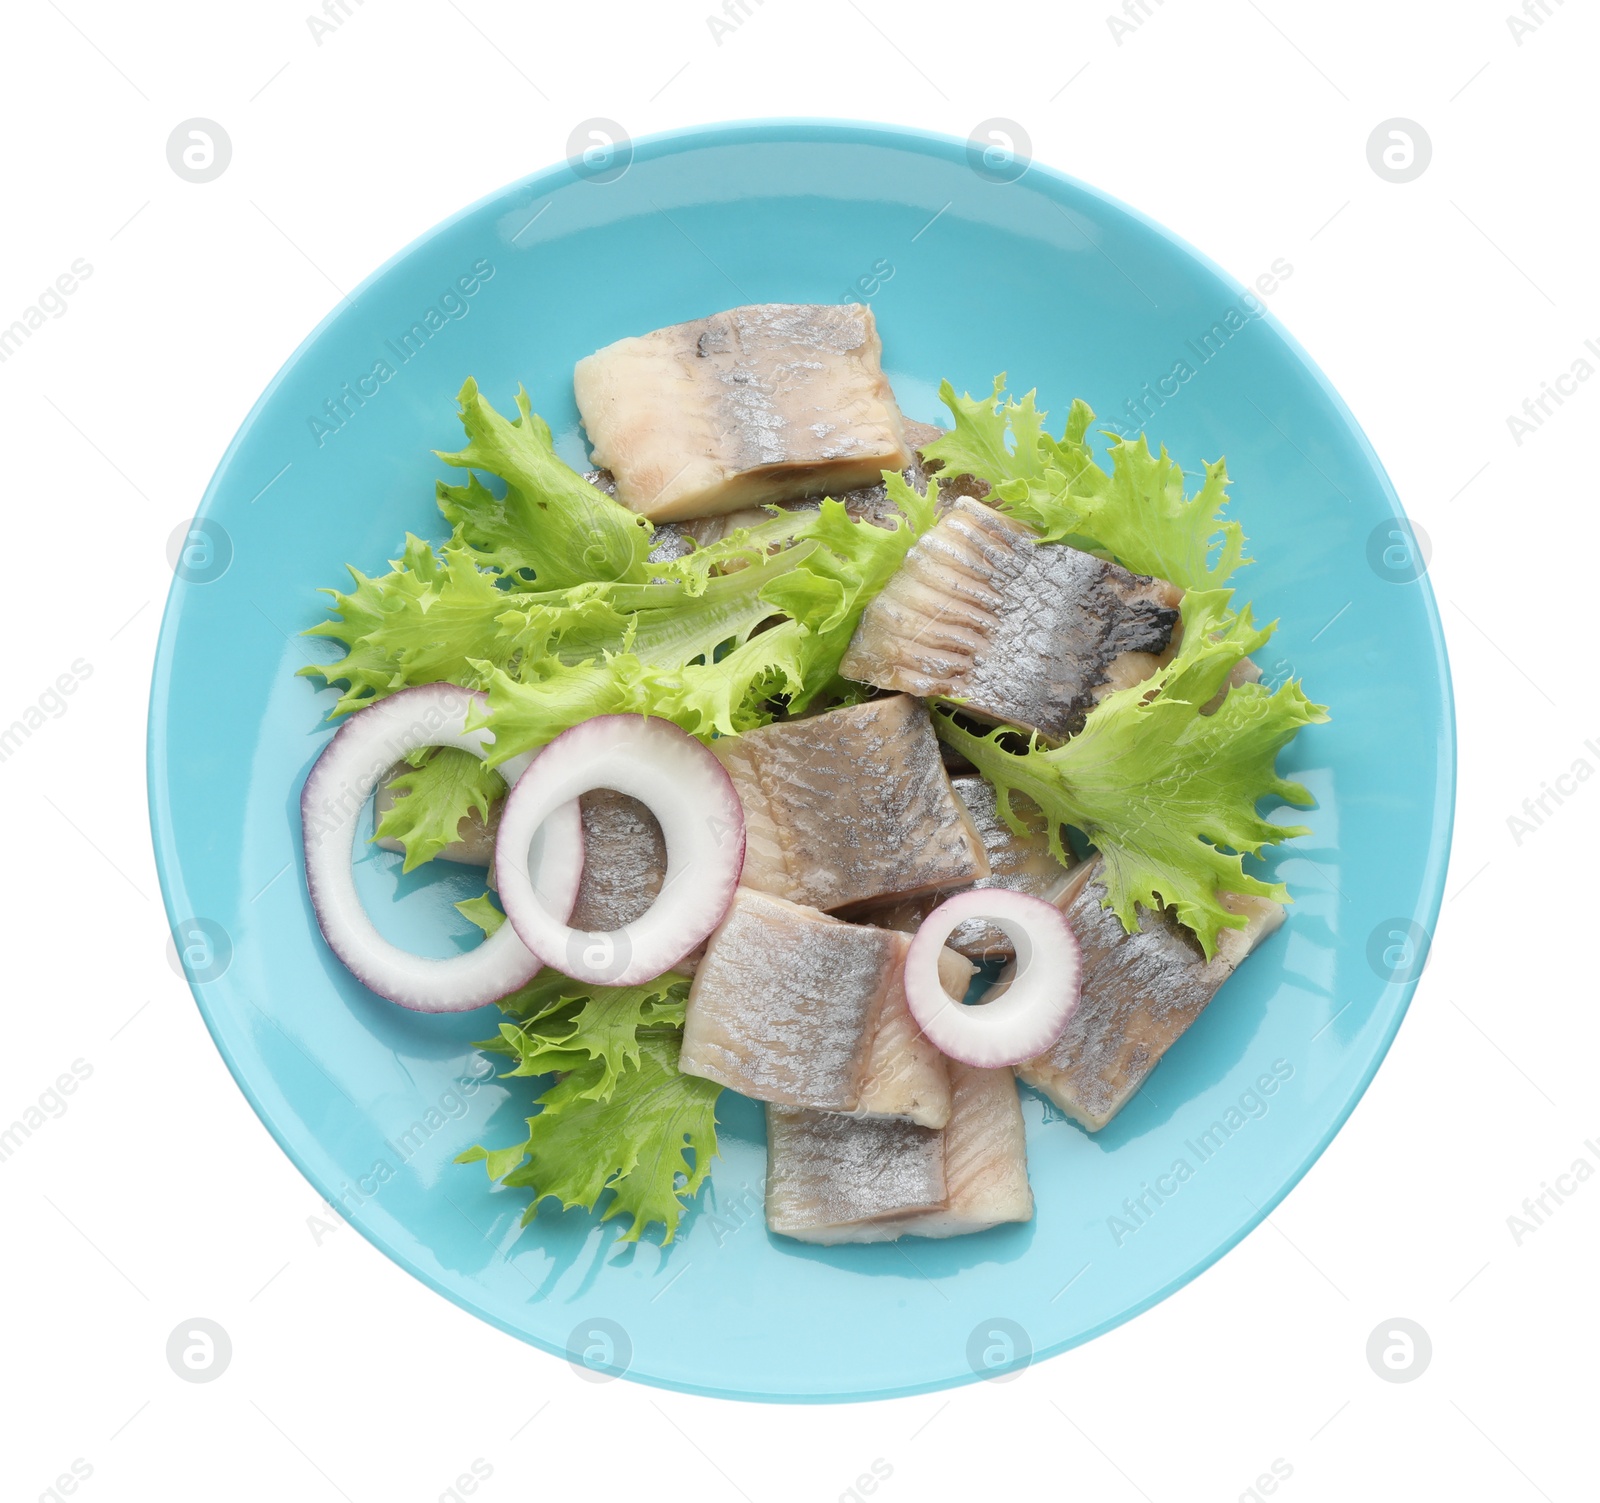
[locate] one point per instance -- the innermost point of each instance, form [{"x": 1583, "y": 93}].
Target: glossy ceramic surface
[{"x": 968, "y": 275}]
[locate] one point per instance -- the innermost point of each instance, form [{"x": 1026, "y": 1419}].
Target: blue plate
[{"x": 969, "y": 274}]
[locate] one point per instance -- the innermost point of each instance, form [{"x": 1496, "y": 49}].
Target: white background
[{"x": 1435, "y": 307}]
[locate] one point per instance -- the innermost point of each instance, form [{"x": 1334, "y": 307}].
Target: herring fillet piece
[
  {"x": 760, "y": 403},
  {"x": 867, "y": 503},
  {"x": 1021, "y": 632},
  {"x": 785, "y": 1002},
  {"x": 907, "y": 1076},
  {"x": 833, "y": 1179},
  {"x": 1140, "y": 994},
  {"x": 851, "y": 806},
  {"x": 985, "y": 1157},
  {"x": 1020, "y": 863},
  {"x": 624, "y": 861}
]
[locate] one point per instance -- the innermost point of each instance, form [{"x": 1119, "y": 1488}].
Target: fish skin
[
  {"x": 833, "y": 1179},
  {"x": 1140, "y": 994},
  {"x": 850, "y": 806},
  {"x": 1019, "y": 863},
  {"x": 786, "y": 1001},
  {"x": 844, "y": 1179},
  {"x": 1021, "y": 632},
  {"x": 624, "y": 861},
  {"x": 760, "y": 403}
]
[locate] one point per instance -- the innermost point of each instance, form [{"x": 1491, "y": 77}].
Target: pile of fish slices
[{"x": 856, "y": 824}]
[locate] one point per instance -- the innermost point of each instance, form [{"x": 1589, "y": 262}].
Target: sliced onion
[
  {"x": 694, "y": 802},
  {"x": 365, "y": 747},
  {"x": 1034, "y": 1010}
]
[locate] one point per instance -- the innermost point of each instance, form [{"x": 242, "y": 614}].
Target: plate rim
[{"x": 830, "y": 131}]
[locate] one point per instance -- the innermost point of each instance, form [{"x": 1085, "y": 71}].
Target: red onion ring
[
  {"x": 694, "y": 801},
  {"x": 1034, "y": 1010},
  {"x": 344, "y": 777}
]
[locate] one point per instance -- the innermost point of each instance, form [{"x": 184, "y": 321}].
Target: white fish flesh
[
  {"x": 1140, "y": 993},
  {"x": 985, "y": 1157},
  {"x": 1025, "y": 633},
  {"x": 851, "y": 806},
  {"x": 757, "y": 404},
  {"x": 907, "y": 1076}
]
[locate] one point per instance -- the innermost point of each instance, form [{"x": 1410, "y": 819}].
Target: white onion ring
[
  {"x": 693, "y": 800},
  {"x": 370, "y": 742},
  {"x": 1030, "y": 1016}
]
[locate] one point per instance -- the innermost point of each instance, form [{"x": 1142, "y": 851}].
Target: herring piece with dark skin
[
  {"x": 1020, "y": 863},
  {"x": 761, "y": 403},
  {"x": 1020, "y": 632},
  {"x": 624, "y": 861},
  {"x": 786, "y": 1002},
  {"x": 851, "y": 806},
  {"x": 1140, "y": 993},
  {"x": 833, "y": 1179}
]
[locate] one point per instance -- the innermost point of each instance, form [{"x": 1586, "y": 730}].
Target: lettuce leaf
[
  {"x": 667, "y": 623},
  {"x": 622, "y": 1118},
  {"x": 441, "y": 788},
  {"x": 563, "y": 1025},
  {"x": 696, "y": 659},
  {"x": 1137, "y": 514},
  {"x": 427, "y": 621},
  {"x": 551, "y": 523},
  {"x": 650, "y": 1142},
  {"x": 482, "y": 911},
  {"x": 677, "y": 638},
  {"x": 1166, "y": 793}
]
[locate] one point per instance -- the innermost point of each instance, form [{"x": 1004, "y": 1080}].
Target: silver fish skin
[
  {"x": 1019, "y": 863},
  {"x": 1140, "y": 993},
  {"x": 850, "y": 806},
  {"x": 786, "y": 1002},
  {"x": 1022, "y": 632},
  {"x": 837, "y": 1179},
  {"x": 834, "y": 1179},
  {"x": 760, "y": 403},
  {"x": 624, "y": 861}
]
